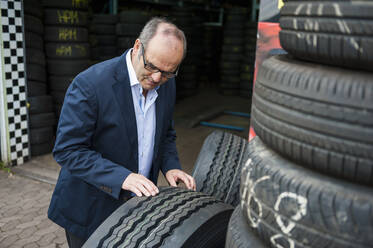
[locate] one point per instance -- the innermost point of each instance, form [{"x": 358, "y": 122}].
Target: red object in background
[{"x": 268, "y": 41}]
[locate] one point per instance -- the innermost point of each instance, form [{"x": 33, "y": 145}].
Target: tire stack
[
  {"x": 103, "y": 37},
  {"x": 233, "y": 47},
  {"x": 186, "y": 81},
  {"x": 41, "y": 116},
  {"x": 308, "y": 181},
  {"x": 248, "y": 60},
  {"x": 212, "y": 43},
  {"x": 129, "y": 28},
  {"x": 66, "y": 44}
]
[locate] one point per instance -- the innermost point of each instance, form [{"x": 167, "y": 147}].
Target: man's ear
[{"x": 136, "y": 46}]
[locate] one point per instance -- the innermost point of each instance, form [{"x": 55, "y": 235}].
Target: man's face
[{"x": 164, "y": 53}]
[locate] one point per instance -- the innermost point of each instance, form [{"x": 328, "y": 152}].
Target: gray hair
[{"x": 151, "y": 27}]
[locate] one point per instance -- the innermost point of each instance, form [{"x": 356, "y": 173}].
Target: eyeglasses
[{"x": 150, "y": 67}]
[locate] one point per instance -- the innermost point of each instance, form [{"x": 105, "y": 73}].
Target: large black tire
[
  {"x": 290, "y": 206},
  {"x": 33, "y": 7},
  {"x": 42, "y": 120},
  {"x": 174, "y": 218},
  {"x": 239, "y": 234},
  {"x": 65, "y": 17},
  {"x": 57, "y": 83},
  {"x": 128, "y": 29},
  {"x": 67, "y": 50},
  {"x": 66, "y": 34},
  {"x": 34, "y": 41},
  {"x": 318, "y": 116},
  {"x": 103, "y": 40},
  {"x": 67, "y": 4},
  {"x": 133, "y": 16},
  {"x": 41, "y": 135},
  {"x": 40, "y": 104},
  {"x": 104, "y": 19},
  {"x": 218, "y": 167},
  {"x": 67, "y": 67},
  {"x": 35, "y": 56},
  {"x": 40, "y": 149},
  {"x": 36, "y": 72},
  {"x": 33, "y": 24},
  {"x": 106, "y": 29},
  {"x": 331, "y": 32},
  {"x": 35, "y": 88}
]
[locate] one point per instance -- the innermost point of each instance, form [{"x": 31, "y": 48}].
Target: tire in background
[
  {"x": 239, "y": 234},
  {"x": 217, "y": 170},
  {"x": 329, "y": 32},
  {"x": 174, "y": 218},
  {"x": 318, "y": 116},
  {"x": 290, "y": 206}
]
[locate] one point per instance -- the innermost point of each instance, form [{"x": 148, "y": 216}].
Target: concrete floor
[{"x": 206, "y": 105}]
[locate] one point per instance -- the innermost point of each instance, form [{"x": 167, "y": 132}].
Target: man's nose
[{"x": 156, "y": 76}]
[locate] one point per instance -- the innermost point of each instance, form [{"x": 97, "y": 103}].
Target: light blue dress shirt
[{"x": 145, "y": 119}]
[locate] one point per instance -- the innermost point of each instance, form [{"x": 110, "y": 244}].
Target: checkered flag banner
[{"x": 14, "y": 138}]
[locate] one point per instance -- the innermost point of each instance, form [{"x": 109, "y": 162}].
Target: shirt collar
[{"x": 131, "y": 72}]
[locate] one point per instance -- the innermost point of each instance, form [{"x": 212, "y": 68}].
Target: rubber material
[
  {"x": 67, "y": 50},
  {"x": 40, "y": 104},
  {"x": 40, "y": 149},
  {"x": 35, "y": 56},
  {"x": 34, "y": 41},
  {"x": 65, "y": 34},
  {"x": 104, "y": 19},
  {"x": 41, "y": 135},
  {"x": 33, "y": 24},
  {"x": 174, "y": 218},
  {"x": 65, "y": 17},
  {"x": 329, "y": 32},
  {"x": 128, "y": 29},
  {"x": 66, "y": 67},
  {"x": 35, "y": 88},
  {"x": 218, "y": 167},
  {"x": 318, "y": 116},
  {"x": 59, "y": 83},
  {"x": 239, "y": 234},
  {"x": 67, "y": 4},
  {"x": 42, "y": 120},
  {"x": 36, "y": 72},
  {"x": 290, "y": 206}
]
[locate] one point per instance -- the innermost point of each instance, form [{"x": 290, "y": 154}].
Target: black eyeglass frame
[{"x": 150, "y": 67}]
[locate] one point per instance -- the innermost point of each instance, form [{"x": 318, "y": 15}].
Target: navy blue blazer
[{"x": 97, "y": 148}]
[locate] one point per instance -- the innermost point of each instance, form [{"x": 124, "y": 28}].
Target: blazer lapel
[
  {"x": 123, "y": 95},
  {"x": 159, "y": 111}
]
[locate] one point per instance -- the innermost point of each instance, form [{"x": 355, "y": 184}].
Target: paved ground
[
  {"x": 25, "y": 196},
  {"x": 23, "y": 214}
]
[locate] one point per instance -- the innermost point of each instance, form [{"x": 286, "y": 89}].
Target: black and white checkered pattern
[{"x": 14, "y": 84}]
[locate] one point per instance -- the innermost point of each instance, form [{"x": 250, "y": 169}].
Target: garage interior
[{"x": 214, "y": 85}]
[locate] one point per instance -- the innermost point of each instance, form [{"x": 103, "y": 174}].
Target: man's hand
[
  {"x": 139, "y": 185},
  {"x": 175, "y": 175}
]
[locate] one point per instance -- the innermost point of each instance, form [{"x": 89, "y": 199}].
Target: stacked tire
[
  {"x": 103, "y": 37},
  {"x": 248, "y": 60},
  {"x": 129, "y": 28},
  {"x": 233, "y": 47},
  {"x": 186, "y": 82},
  {"x": 41, "y": 116},
  {"x": 308, "y": 181},
  {"x": 212, "y": 43},
  {"x": 66, "y": 44}
]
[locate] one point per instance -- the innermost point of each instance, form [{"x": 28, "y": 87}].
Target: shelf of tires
[
  {"x": 187, "y": 83},
  {"x": 308, "y": 180},
  {"x": 248, "y": 60},
  {"x": 66, "y": 44},
  {"x": 41, "y": 116},
  {"x": 232, "y": 50},
  {"x": 129, "y": 27},
  {"x": 212, "y": 44},
  {"x": 103, "y": 37}
]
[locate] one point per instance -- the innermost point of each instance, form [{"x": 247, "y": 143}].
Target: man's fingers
[
  {"x": 150, "y": 187},
  {"x": 136, "y": 191},
  {"x": 143, "y": 190}
]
